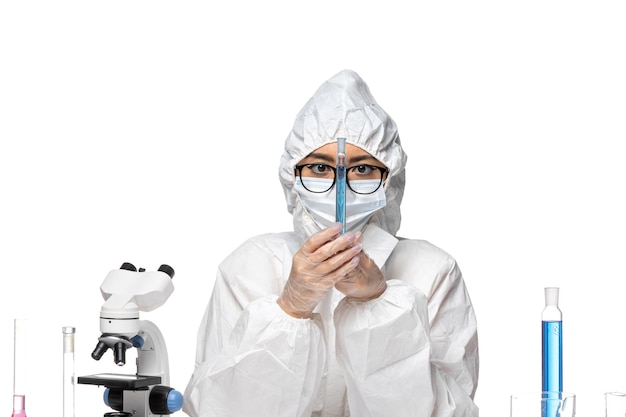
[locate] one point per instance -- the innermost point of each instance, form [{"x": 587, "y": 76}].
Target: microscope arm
[{"x": 152, "y": 358}]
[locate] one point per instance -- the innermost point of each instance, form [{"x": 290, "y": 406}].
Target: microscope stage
[{"x": 120, "y": 380}]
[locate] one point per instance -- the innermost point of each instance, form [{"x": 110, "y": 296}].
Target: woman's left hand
[{"x": 365, "y": 282}]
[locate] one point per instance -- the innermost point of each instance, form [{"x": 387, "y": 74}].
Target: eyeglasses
[{"x": 362, "y": 179}]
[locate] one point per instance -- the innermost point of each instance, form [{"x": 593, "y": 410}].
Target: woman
[{"x": 319, "y": 323}]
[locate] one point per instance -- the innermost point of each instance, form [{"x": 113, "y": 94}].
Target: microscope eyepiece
[
  {"x": 163, "y": 268},
  {"x": 128, "y": 267},
  {"x": 167, "y": 269}
]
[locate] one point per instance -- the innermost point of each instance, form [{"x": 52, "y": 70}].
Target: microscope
[{"x": 127, "y": 291}]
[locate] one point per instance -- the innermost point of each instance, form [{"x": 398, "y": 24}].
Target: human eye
[
  {"x": 317, "y": 170},
  {"x": 365, "y": 171}
]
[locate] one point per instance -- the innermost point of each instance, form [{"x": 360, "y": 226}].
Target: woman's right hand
[{"x": 325, "y": 258}]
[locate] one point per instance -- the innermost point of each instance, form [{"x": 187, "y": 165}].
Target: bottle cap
[{"x": 552, "y": 296}]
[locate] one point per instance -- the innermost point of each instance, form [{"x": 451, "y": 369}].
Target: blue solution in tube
[
  {"x": 551, "y": 352},
  {"x": 340, "y": 207}
]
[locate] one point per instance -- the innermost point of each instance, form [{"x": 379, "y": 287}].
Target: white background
[{"x": 151, "y": 131}]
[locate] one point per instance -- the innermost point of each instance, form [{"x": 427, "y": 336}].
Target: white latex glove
[
  {"x": 325, "y": 258},
  {"x": 365, "y": 282}
]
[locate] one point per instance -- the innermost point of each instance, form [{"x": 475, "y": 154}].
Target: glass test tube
[
  {"x": 340, "y": 208},
  {"x": 552, "y": 350},
  {"x": 20, "y": 356},
  {"x": 552, "y": 342},
  {"x": 68, "y": 371},
  {"x": 19, "y": 406}
]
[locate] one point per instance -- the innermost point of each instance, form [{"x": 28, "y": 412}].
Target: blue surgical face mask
[{"x": 359, "y": 207}]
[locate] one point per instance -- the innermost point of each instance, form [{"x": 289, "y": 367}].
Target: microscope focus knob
[{"x": 165, "y": 400}]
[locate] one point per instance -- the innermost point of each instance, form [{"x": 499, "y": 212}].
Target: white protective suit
[{"x": 411, "y": 352}]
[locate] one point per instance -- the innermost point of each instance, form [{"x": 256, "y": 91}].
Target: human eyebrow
[
  {"x": 364, "y": 158},
  {"x": 318, "y": 157}
]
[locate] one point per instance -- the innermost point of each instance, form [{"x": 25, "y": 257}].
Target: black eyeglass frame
[{"x": 383, "y": 171}]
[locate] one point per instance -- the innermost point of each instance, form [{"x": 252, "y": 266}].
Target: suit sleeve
[
  {"x": 250, "y": 353},
  {"x": 406, "y": 354}
]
